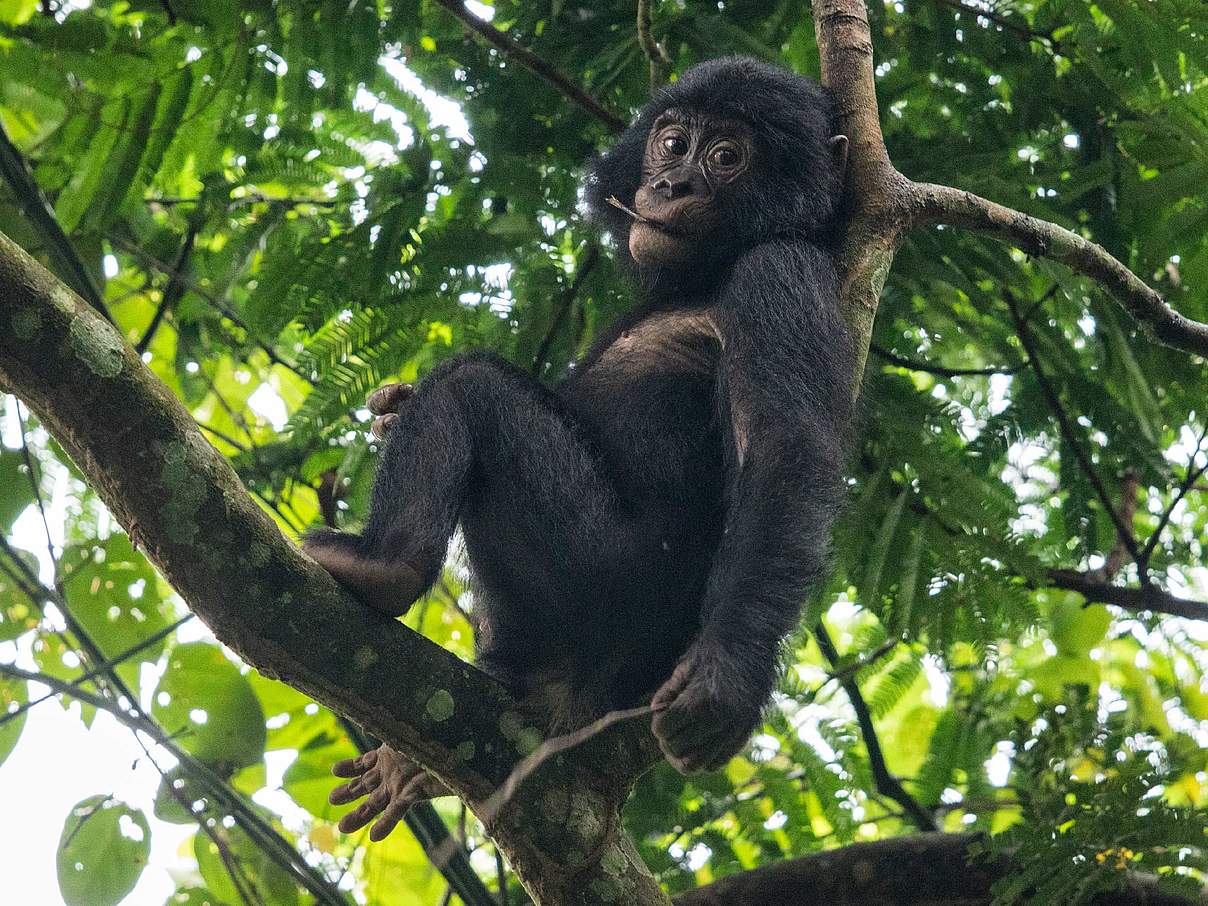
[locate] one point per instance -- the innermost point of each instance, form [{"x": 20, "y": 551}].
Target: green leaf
[
  {"x": 16, "y": 492},
  {"x": 103, "y": 849},
  {"x": 209, "y": 707},
  {"x": 13, "y": 694},
  {"x": 114, "y": 594}
]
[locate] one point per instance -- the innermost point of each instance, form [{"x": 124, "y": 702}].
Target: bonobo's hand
[
  {"x": 703, "y": 716},
  {"x": 385, "y": 403},
  {"x": 393, "y": 784}
]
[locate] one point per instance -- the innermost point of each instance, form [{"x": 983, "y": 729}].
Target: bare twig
[
  {"x": 620, "y": 206},
  {"x": 887, "y": 784},
  {"x": 933, "y": 204},
  {"x": 940, "y": 370},
  {"x": 1069, "y": 432},
  {"x": 1193, "y": 475},
  {"x": 102, "y": 668},
  {"x": 491, "y": 808},
  {"x": 172, "y": 293},
  {"x": 1043, "y": 38},
  {"x": 564, "y": 305},
  {"x": 533, "y": 64}
]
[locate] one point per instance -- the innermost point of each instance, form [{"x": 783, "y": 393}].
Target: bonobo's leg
[{"x": 475, "y": 433}]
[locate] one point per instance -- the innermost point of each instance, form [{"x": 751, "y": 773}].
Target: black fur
[{"x": 670, "y": 501}]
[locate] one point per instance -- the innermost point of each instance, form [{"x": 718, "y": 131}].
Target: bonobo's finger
[
  {"x": 355, "y": 767},
  {"x": 675, "y": 719},
  {"x": 345, "y": 793},
  {"x": 392, "y": 815},
  {"x": 358, "y": 817},
  {"x": 382, "y": 424},
  {"x": 389, "y": 398}
]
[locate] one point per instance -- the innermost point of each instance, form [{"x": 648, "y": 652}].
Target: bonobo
[{"x": 652, "y": 525}]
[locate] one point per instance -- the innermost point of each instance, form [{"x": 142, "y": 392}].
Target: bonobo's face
[{"x": 692, "y": 166}]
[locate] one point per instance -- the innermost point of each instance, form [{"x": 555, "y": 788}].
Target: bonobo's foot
[
  {"x": 702, "y": 719},
  {"x": 385, "y": 403},
  {"x": 393, "y": 784},
  {"x": 388, "y": 586}
]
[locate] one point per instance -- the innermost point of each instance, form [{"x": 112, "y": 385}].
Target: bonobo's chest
[
  {"x": 648, "y": 389},
  {"x": 672, "y": 343}
]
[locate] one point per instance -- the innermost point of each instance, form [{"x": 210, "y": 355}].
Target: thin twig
[
  {"x": 1068, "y": 430},
  {"x": 102, "y": 668},
  {"x": 1047, "y": 40},
  {"x": 914, "y": 365},
  {"x": 1192, "y": 476},
  {"x": 533, "y": 64},
  {"x": 172, "y": 292},
  {"x": 490, "y": 809},
  {"x": 564, "y": 304},
  {"x": 888, "y": 785}
]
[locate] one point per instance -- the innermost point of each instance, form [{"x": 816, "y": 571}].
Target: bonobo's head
[{"x": 733, "y": 153}]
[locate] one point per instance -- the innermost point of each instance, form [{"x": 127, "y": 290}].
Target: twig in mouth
[{"x": 620, "y": 206}]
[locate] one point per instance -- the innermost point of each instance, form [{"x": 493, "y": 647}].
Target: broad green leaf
[
  {"x": 114, "y": 594},
  {"x": 208, "y": 706},
  {"x": 102, "y": 851}
]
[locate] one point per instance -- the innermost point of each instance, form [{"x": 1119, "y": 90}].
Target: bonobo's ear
[{"x": 838, "y": 149}]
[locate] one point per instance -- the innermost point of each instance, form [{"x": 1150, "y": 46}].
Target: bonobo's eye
[
  {"x": 725, "y": 156},
  {"x": 676, "y": 145}
]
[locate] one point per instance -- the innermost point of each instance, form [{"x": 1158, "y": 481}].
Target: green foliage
[
  {"x": 103, "y": 850},
  {"x": 342, "y": 230}
]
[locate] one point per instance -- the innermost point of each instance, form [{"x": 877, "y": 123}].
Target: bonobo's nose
[{"x": 672, "y": 185}]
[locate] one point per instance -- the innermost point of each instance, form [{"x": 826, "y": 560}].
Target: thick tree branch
[
  {"x": 932, "y": 204},
  {"x": 181, "y": 502},
  {"x": 875, "y": 190},
  {"x": 927, "y": 870},
  {"x": 533, "y": 63}
]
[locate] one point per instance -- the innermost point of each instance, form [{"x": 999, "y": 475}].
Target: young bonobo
[{"x": 653, "y": 524}]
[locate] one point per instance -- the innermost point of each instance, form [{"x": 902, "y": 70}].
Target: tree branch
[
  {"x": 659, "y": 61},
  {"x": 926, "y": 869},
  {"x": 533, "y": 63},
  {"x": 932, "y": 204},
  {"x": 1147, "y": 597}
]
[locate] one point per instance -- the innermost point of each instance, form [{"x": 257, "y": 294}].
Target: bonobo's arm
[{"x": 785, "y": 390}]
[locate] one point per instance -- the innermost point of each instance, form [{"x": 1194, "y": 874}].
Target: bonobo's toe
[
  {"x": 387, "y": 400},
  {"x": 388, "y": 586}
]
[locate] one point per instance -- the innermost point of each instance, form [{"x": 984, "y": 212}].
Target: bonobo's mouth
[{"x": 655, "y": 244}]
